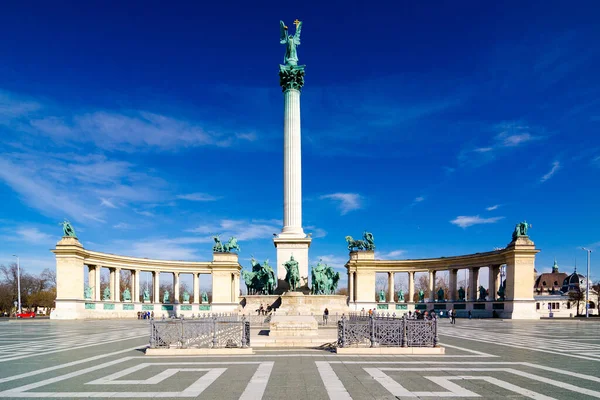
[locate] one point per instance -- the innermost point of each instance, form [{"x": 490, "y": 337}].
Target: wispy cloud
[
  {"x": 198, "y": 197},
  {"x": 125, "y": 130},
  {"x": 508, "y": 135},
  {"x": 122, "y": 225},
  {"x": 34, "y": 235},
  {"x": 178, "y": 248},
  {"x": 346, "y": 201},
  {"x": 492, "y": 208},
  {"x": 107, "y": 203},
  {"x": 419, "y": 199},
  {"x": 241, "y": 229},
  {"x": 316, "y": 232},
  {"x": 391, "y": 255},
  {"x": 465, "y": 221},
  {"x": 553, "y": 170}
]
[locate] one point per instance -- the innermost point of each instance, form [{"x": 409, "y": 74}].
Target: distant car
[{"x": 29, "y": 314}]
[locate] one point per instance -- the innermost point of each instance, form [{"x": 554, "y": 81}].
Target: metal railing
[
  {"x": 386, "y": 330},
  {"x": 205, "y": 332},
  {"x": 263, "y": 321}
]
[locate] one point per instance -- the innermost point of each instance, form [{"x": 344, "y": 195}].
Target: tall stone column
[
  {"x": 390, "y": 287},
  {"x": 431, "y": 285},
  {"x": 196, "y": 288},
  {"x": 175, "y": 288},
  {"x": 473, "y": 283},
  {"x": 452, "y": 281},
  {"x": 111, "y": 284},
  {"x": 351, "y": 287},
  {"x": 136, "y": 286},
  {"x": 292, "y": 240},
  {"x": 97, "y": 291},
  {"x": 411, "y": 286},
  {"x": 493, "y": 274},
  {"x": 117, "y": 284},
  {"x": 156, "y": 283},
  {"x": 92, "y": 279}
]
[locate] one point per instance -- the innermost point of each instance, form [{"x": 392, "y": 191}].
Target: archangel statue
[{"x": 291, "y": 55}]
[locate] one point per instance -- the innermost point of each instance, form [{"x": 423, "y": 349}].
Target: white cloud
[
  {"x": 331, "y": 260},
  {"x": 347, "y": 201},
  {"x": 391, "y": 255},
  {"x": 241, "y": 229},
  {"x": 107, "y": 203},
  {"x": 419, "y": 199},
  {"x": 553, "y": 170},
  {"x": 163, "y": 248},
  {"x": 511, "y": 135},
  {"x": 515, "y": 140},
  {"x": 316, "y": 232},
  {"x": 122, "y": 225},
  {"x": 197, "y": 197},
  {"x": 492, "y": 208},
  {"x": 33, "y": 235},
  {"x": 144, "y": 213},
  {"x": 483, "y": 149},
  {"x": 466, "y": 221}
]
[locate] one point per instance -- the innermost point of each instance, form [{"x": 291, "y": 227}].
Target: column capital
[{"x": 291, "y": 77}]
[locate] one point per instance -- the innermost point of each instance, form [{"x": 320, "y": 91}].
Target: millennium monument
[
  {"x": 284, "y": 287},
  {"x": 292, "y": 243}
]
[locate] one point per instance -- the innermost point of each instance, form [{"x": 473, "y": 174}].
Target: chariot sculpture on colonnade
[{"x": 368, "y": 242}]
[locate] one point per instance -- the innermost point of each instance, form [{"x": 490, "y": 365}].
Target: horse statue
[
  {"x": 369, "y": 240},
  {"x": 232, "y": 244},
  {"x": 218, "y": 246},
  {"x": 324, "y": 279},
  {"x": 248, "y": 277},
  {"x": 292, "y": 276},
  {"x": 358, "y": 244},
  {"x": 262, "y": 278}
]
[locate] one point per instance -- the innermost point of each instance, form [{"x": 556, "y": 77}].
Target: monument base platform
[
  {"x": 292, "y": 326},
  {"x": 391, "y": 350},
  {"x": 296, "y": 303},
  {"x": 197, "y": 352}
]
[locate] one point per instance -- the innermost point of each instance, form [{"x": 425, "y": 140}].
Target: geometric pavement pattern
[{"x": 484, "y": 359}]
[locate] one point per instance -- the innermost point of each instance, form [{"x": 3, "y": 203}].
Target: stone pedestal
[
  {"x": 286, "y": 247},
  {"x": 299, "y": 325}
]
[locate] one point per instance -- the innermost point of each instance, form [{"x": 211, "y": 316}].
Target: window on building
[
  {"x": 544, "y": 283},
  {"x": 537, "y": 306},
  {"x": 558, "y": 306},
  {"x": 568, "y": 306}
]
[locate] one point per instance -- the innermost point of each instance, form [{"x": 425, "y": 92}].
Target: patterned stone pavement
[{"x": 489, "y": 359}]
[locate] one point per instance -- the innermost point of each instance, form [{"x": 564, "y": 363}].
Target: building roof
[{"x": 550, "y": 282}]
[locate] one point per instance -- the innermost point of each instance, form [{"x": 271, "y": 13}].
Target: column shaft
[
  {"x": 431, "y": 285},
  {"x": 411, "y": 286},
  {"x": 453, "y": 281},
  {"x": 97, "y": 291},
  {"x": 175, "y": 288},
  {"x": 136, "y": 286},
  {"x": 156, "y": 285},
  {"x": 117, "y": 284},
  {"x": 196, "y": 288},
  {"x": 390, "y": 287},
  {"x": 92, "y": 279},
  {"x": 473, "y": 283},
  {"x": 292, "y": 165},
  {"x": 351, "y": 286},
  {"x": 112, "y": 284},
  {"x": 492, "y": 282}
]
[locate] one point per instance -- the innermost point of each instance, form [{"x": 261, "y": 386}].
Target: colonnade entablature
[
  {"x": 75, "y": 299},
  {"x": 515, "y": 293}
]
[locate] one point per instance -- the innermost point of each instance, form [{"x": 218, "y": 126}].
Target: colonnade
[
  {"x": 71, "y": 302},
  {"x": 517, "y": 259},
  {"x": 471, "y": 289}
]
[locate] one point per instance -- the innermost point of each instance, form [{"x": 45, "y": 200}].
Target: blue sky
[{"x": 436, "y": 126}]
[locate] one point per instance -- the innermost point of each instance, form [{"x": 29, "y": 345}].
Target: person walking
[
  {"x": 453, "y": 316},
  {"x": 325, "y": 316},
  {"x": 469, "y": 314}
]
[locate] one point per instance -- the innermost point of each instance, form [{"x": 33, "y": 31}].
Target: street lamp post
[
  {"x": 587, "y": 284},
  {"x": 18, "y": 283}
]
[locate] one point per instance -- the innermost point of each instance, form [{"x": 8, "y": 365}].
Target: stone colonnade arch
[
  {"x": 518, "y": 302},
  {"x": 71, "y": 301}
]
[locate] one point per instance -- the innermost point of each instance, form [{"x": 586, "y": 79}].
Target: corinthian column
[{"x": 292, "y": 240}]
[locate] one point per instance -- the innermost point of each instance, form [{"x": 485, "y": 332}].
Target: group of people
[
  {"x": 145, "y": 315},
  {"x": 262, "y": 310}
]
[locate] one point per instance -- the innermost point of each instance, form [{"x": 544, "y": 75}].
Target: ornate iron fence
[
  {"x": 386, "y": 330},
  {"x": 215, "y": 332}
]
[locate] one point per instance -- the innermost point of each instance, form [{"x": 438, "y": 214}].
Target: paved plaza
[{"x": 484, "y": 358}]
